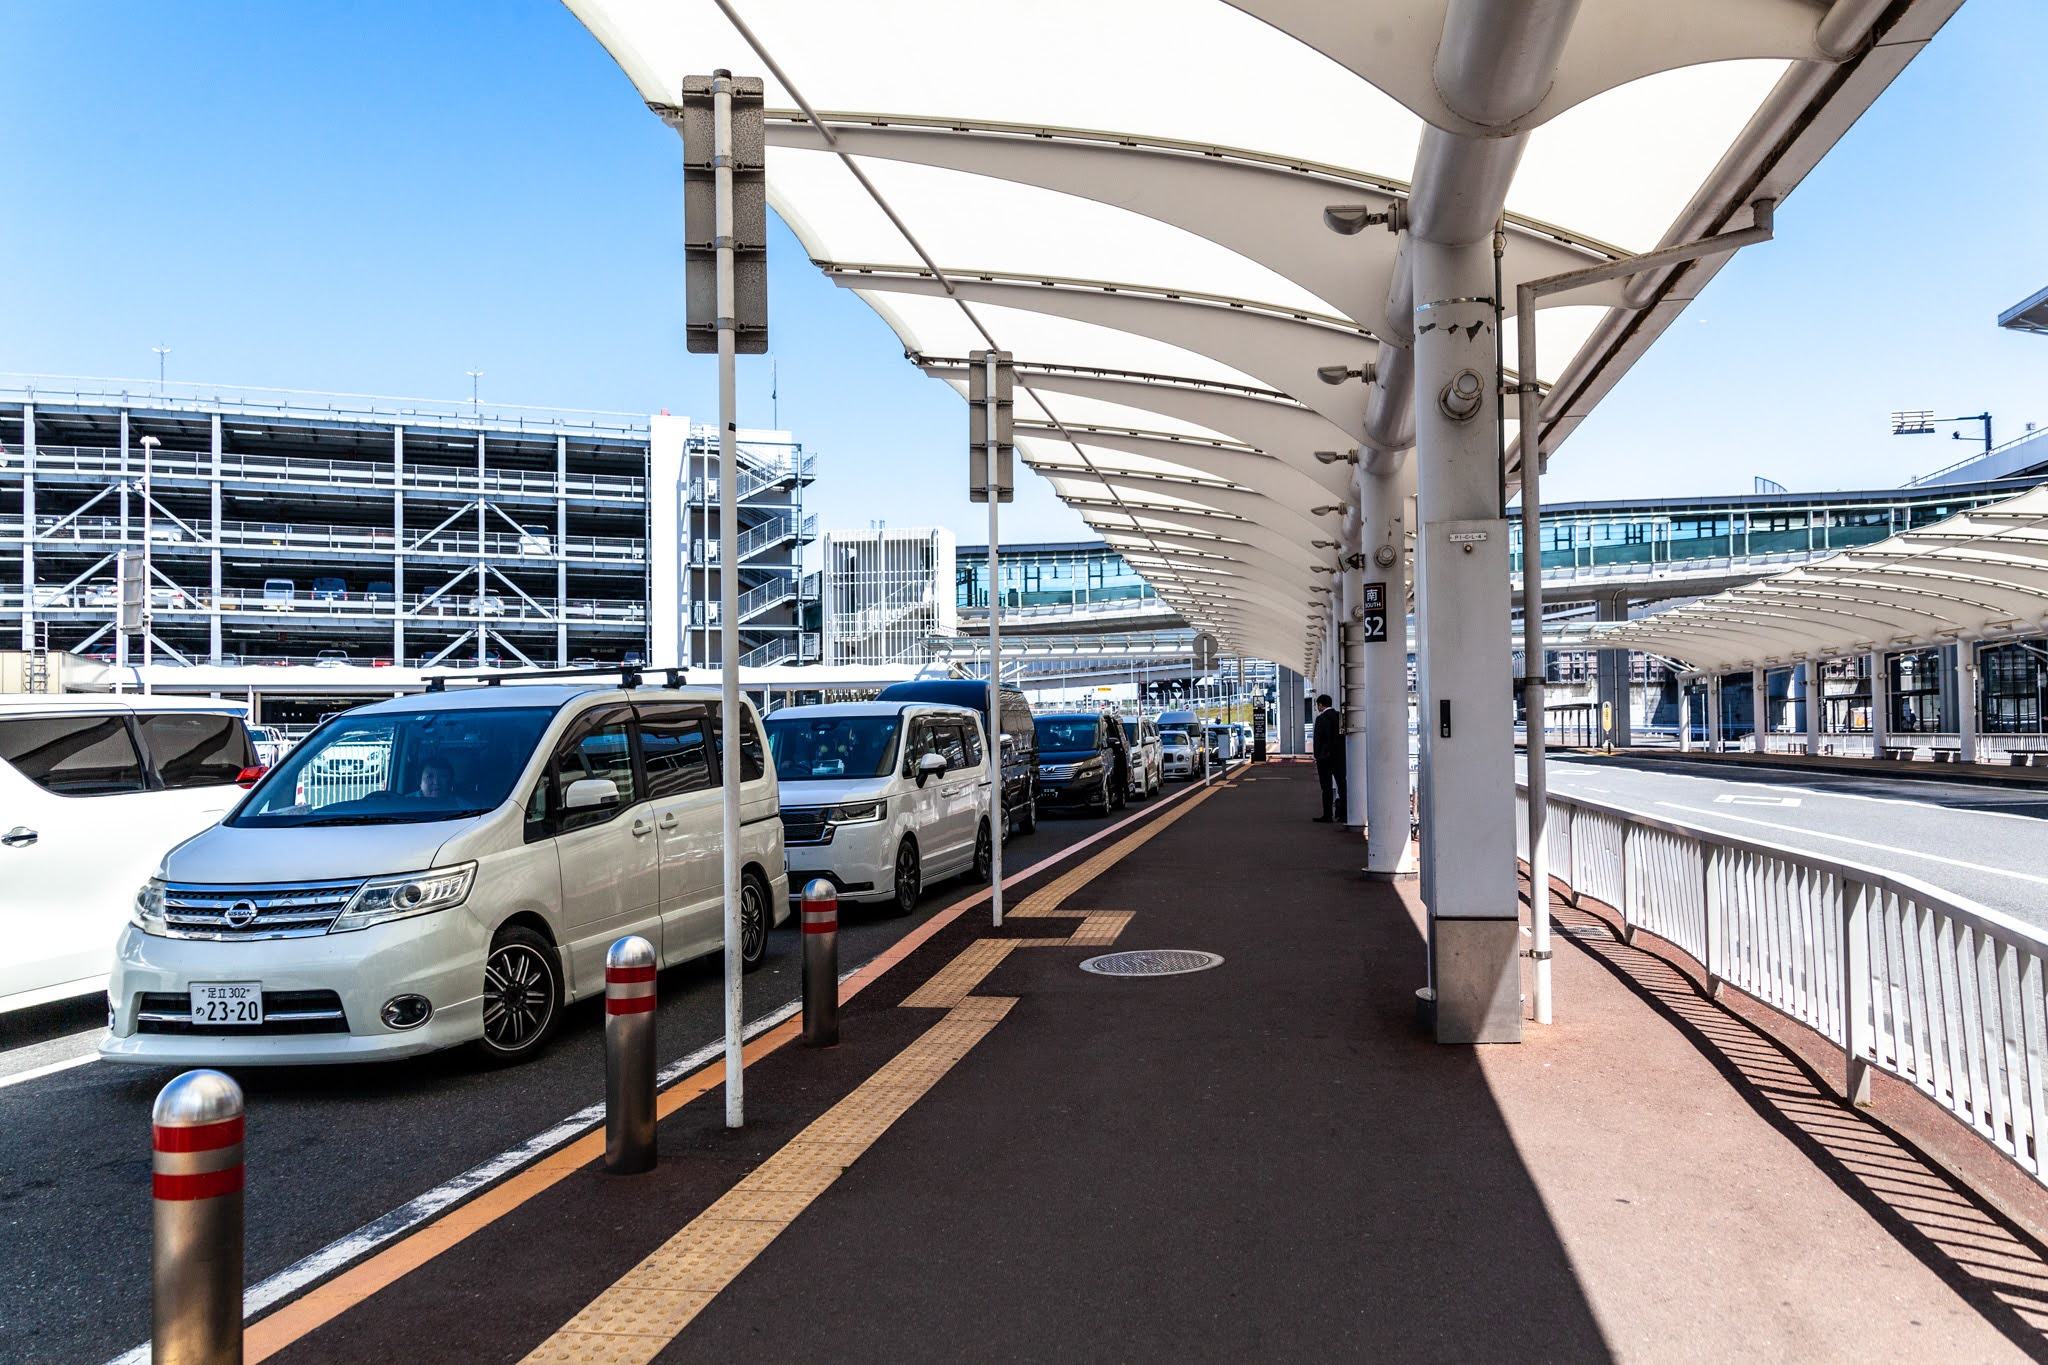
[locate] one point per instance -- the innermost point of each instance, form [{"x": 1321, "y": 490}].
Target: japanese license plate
[{"x": 227, "y": 1002}]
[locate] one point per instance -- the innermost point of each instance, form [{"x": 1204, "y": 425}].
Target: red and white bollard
[
  {"x": 196, "y": 1253},
  {"x": 820, "y": 916},
  {"x": 629, "y": 1057}
]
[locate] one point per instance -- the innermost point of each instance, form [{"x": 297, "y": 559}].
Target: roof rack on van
[{"x": 629, "y": 676}]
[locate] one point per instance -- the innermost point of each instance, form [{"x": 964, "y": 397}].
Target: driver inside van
[{"x": 437, "y": 779}]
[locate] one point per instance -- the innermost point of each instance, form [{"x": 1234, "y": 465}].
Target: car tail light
[{"x": 247, "y": 777}]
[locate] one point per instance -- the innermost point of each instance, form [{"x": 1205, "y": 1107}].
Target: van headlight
[
  {"x": 416, "y": 893},
  {"x": 148, "y": 912},
  {"x": 857, "y": 813}
]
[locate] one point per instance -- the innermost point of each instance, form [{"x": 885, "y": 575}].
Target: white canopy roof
[
  {"x": 1980, "y": 574},
  {"x": 1128, "y": 197}
]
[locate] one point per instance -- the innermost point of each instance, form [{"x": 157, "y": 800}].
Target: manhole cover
[
  {"x": 1151, "y": 962},
  {"x": 1584, "y": 930}
]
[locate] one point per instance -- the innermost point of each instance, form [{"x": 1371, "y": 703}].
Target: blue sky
[{"x": 378, "y": 197}]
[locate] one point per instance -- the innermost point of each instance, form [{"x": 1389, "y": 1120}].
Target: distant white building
[{"x": 883, "y": 594}]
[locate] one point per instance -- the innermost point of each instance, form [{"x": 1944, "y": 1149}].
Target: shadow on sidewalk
[
  {"x": 1266, "y": 1160},
  {"x": 1993, "y": 1264}
]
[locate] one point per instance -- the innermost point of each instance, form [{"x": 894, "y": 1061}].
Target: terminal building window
[
  {"x": 1916, "y": 693},
  {"x": 2015, "y": 686}
]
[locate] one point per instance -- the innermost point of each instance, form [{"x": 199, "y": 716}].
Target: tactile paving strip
[{"x": 633, "y": 1320}]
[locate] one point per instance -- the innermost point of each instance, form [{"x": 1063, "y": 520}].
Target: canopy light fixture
[
  {"x": 1348, "y": 220},
  {"x": 1337, "y": 374},
  {"x": 1333, "y": 456},
  {"x": 1325, "y": 510}
]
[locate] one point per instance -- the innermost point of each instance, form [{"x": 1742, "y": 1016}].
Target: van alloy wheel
[
  {"x": 909, "y": 878},
  {"x": 753, "y": 923},
  {"x": 521, "y": 993},
  {"x": 984, "y": 857}
]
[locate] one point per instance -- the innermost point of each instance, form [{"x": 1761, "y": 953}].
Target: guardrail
[
  {"x": 1943, "y": 993},
  {"x": 300, "y": 470}
]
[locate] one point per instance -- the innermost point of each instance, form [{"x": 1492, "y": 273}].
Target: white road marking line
[
  {"x": 409, "y": 1215},
  {"x": 1863, "y": 843},
  {"x": 1743, "y": 799},
  {"x": 52, "y": 1069}
]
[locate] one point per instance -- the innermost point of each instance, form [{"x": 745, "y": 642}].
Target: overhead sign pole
[
  {"x": 991, "y": 461},
  {"x": 726, "y": 269}
]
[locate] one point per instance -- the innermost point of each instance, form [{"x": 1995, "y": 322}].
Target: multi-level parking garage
[{"x": 299, "y": 528}]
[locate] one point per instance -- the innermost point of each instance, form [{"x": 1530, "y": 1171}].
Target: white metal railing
[
  {"x": 1943, "y": 993},
  {"x": 381, "y": 540},
  {"x": 754, "y": 601}
]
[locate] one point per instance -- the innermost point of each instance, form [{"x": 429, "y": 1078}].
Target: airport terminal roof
[
  {"x": 1981, "y": 574},
  {"x": 1129, "y": 198}
]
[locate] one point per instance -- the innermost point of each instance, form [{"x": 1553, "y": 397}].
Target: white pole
[
  {"x": 998, "y": 825},
  {"x": 1532, "y": 655},
  {"x": 728, "y": 590}
]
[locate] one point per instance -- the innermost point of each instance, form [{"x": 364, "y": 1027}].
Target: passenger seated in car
[{"x": 437, "y": 779}]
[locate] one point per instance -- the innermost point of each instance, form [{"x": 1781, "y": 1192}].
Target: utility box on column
[
  {"x": 990, "y": 421},
  {"x": 749, "y": 216}
]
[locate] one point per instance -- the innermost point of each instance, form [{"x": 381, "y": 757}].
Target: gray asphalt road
[
  {"x": 1987, "y": 843},
  {"x": 329, "y": 1148}
]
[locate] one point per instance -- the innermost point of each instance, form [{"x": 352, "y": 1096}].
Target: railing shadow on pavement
[{"x": 1991, "y": 1261}]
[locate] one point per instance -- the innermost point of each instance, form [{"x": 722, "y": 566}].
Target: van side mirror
[
  {"x": 587, "y": 792},
  {"x": 931, "y": 765}
]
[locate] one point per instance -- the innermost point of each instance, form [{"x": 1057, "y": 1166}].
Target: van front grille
[
  {"x": 283, "y": 1012},
  {"x": 280, "y": 910}
]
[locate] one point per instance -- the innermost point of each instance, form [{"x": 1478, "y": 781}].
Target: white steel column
[
  {"x": 1613, "y": 680},
  {"x": 1968, "y": 700},
  {"x": 483, "y": 634},
  {"x": 1384, "y": 484},
  {"x": 1759, "y": 708},
  {"x": 1468, "y": 740},
  {"x": 1713, "y": 713},
  {"x": 1685, "y": 712},
  {"x": 561, "y": 552},
  {"x": 1880, "y": 705},
  {"x": 28, "y": 527},
  {"x": 398, "y": 547},
  {"x": 121, "y": 562},
  {"x": 728, "y": 590},
  {"x": 213, "y": 597},
  {"x": 1353, "y": 698}
]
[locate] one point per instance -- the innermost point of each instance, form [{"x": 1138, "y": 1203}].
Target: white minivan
[
  {"x": 93, "y": 791},
  {"x": 445, "y": 868},
  {"x": 881, "y": 798}
]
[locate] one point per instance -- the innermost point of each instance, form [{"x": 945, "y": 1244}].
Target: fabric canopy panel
[
  {"x": 1128, "y": 198},
  {"x": 1978, "y": 575}
]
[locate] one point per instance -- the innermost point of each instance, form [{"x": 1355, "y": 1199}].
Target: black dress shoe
[{"x": 1321, "y": 819}]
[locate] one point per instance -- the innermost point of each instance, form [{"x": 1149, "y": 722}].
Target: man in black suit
[{"x": 1329, "y": 752}]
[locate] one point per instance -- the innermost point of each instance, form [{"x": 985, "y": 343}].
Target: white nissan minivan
[
  {"x": 882, "y": 797},
  {"x": 445, "y": 868}
]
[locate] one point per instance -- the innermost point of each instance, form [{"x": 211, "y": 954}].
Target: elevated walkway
[
  {"x": 1010, "y": 1158},
  {"x": 1983, "y": 774}
]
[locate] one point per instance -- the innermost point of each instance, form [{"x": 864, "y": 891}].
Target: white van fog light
[
  {"x": 407, "y": 1011},
  {"x": 416, "y": 893}
]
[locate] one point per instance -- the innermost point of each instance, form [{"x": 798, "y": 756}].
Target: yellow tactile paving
[
  {"x": 633, "y": 1320},
  {"x": 1100, "y": 929},
  {"x": 953, "y": 982}
]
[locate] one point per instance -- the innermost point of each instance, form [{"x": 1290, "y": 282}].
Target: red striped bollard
[
  {"x": 195, "y": 1298},
  {"x": 820, "y": 916},
  {"x": 629, "y": 1057}
]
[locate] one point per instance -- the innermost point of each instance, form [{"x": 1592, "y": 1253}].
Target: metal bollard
[
  {"x": 821, "y": 964},
  {"x": 195, "y": 1292},
  {"x": 629, "y": 1057}
]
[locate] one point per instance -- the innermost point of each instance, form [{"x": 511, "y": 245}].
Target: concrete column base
[
  {"x": 1478, "y": 970},
  {"x": 1375, "y": 876}
]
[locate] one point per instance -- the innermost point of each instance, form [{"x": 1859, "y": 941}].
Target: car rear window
[
  {"x": 73, "y": 755},
  {"x": 194, "y": 749}
]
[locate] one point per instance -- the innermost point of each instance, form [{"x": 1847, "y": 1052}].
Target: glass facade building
[{"x": 1068, "y": 574}]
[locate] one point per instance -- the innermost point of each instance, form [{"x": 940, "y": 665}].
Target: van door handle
[
  {"x": 641, "y": 829},
  {"x": 21, "y": 836},
  {"x": 668, "y": 820}
]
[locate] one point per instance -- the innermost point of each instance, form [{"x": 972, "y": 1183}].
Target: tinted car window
[
  {"x": 1068, "y": 732},
  {"x": 950, "y": 743},
  {"x": 599, "y": 745},
  {"x": 192, "y": 749},
  {"x": 408, "y": 767},
  {"x": 675, "y": 750},
  {"x": 73, "y": 755},
  {"x": 753, "y": 763}
]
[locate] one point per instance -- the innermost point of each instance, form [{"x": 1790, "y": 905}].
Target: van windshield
[
  {"x": 1056, "y": 733},
  {"x": 822, "y": 748},
  {"x": 398, "y": 768}
]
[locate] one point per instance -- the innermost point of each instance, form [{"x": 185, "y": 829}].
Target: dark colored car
[
  {"x": 1083, "y": 762},
  {"x": 1021, "y": 788}
]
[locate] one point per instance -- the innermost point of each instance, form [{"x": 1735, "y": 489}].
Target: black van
[{"x": 1020, "y": 754}]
